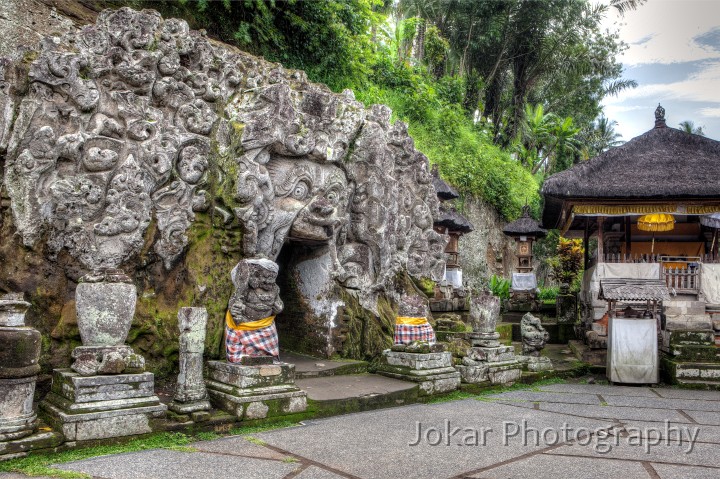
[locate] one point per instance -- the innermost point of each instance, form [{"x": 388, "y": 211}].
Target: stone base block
[
  {"x": 502, "y": 353},
  {"x": 104, "y": 360},
  {"x": 503, "y": 372},
  {"x": 255, "y": 392},
  {"x": 21, "y": 447},
  {"x": 434, "y": 372},
  {"x": 419, "y": 361},
  {"x": 17, "y": 418},
  {"x": 189, "y": 407},
  {"x": 99, "y": 407},
  {"x": 536, "y": 364},
  {"x": 241, "y": 376},
  {"x": 695, "y": 374}
]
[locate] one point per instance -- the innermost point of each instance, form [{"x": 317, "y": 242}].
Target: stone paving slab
[
  {"x": 314, "y": 472},
  {"x": 695, "y": 394},
  {"x": 166, "y": 464},
  {"x": 556, "y": 397},
  {"x": 377, "y": 444},
  {"x": 604, "y": 390},
  {"x": 351, "y": 386},
  {"x": 662, "y": 403},
  {"x": 552, "y": 467},
  {"x": 238, "y": 446},
  {"x": 308, "y": 366},
  {"x": 709, "y": 434},
  {"x": 669, "y": 471},
  {"x": 706, "y": 417},
  {"x": 699, "y": 454},
  {"x": 615, "y": 412}
]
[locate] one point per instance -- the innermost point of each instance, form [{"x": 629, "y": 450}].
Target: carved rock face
[{"x": 138, "y": 120}]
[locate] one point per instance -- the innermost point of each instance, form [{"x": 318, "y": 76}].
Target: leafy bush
[
  {"x": 499, "y": 287},
  {"x": 548, "y": 294},
  {"x": 566, "y": 265}
]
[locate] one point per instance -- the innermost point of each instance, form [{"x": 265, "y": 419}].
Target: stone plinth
[
  {"x": 19, "y": 353},
  {"x": 434, "y": 372},
  {"x": 190, "y": 393},
  {"x": 255, "y": 392},
  {"x": 99, "y": 407},
  {"x": 498, "y": 365},
  {"x": 538, "y": 363},
  {"x": 566, "y": 308}
]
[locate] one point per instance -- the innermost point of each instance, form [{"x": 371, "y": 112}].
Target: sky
[{"x": 674, "y": 55}]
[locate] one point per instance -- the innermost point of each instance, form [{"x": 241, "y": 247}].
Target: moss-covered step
[
  {"x": 310, "y": 367},
  {"x": 333, "y": 395}
]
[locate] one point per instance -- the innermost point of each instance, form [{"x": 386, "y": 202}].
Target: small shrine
[
  {"x": 523, "y": 290},
  {"x": 450, "y": 293}
]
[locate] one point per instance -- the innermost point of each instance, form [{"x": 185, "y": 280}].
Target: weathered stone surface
[
  {"x": 433, "y": 371},
  {"x": 94, "y": 360},
  {"x": 190, "y": 393},
  {"x": 17, "y": 418},
  {"x": 533, "y": 335},
  {"x": 255, "y": 392},
  {"x": 539, "y": 363},
  {"x": 484, "y": 312},
  {"x": 100, "y": 407},
  {"x": 131, "y": 138},
  {"x": 105, "y": 311}
]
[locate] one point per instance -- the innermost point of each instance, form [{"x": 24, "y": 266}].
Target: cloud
[{"x": 710, "y": 112}]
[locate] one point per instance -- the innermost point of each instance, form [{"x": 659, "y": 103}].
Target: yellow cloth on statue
[
  {"x": 251, "y": 326},
  {"x": 410, "y": 321}
]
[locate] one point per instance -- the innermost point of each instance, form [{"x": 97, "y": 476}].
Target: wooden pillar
[
  {"x": 601, "y": 246},
  {"x": 586, "y": 242},
  {"x": 628, "y": 236}
]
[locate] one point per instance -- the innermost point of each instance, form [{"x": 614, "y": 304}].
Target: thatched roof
[
  {"x": 524, "y": 226},
  {"x": 452, "y": 220},
  {"x": 442, "y": 188},
  {"x": 622, "y": 289},
  {"x": 664, "y": 163}
]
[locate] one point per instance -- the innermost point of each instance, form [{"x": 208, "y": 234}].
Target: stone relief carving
[{"x": 122, "y": 125}]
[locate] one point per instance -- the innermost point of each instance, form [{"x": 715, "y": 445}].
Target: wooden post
[
  {"x": 601, "y": 246},
  {"x": 628, "y": 237}
]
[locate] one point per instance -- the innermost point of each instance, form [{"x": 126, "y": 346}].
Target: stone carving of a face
[
  {"x": 192, "y": 163},
  {"x": 310, "y": 201}
]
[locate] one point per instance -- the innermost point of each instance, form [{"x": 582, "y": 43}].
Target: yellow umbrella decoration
[{"x": 656, "y": 222}]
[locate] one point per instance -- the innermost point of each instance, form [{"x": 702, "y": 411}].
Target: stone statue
[
  {"x": 534, "y": 336},
  {"x": 250, "y": 322},
  {"x": 190, "y": 393},
  {"x": 411, "y": 324}
]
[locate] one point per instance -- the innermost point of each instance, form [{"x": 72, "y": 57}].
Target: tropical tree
[
  {"x": 603, "y": 135},
  {"x": 688, "y": 126}
]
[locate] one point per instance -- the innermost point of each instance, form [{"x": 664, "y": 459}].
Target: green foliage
[
  {"x": 499, "y": 287},
  {"x": 549, "y": 293},
  {"x": 567, "y": 264}
]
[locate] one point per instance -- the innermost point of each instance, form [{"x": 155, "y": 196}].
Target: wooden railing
[{"x": 681, "y": 274}]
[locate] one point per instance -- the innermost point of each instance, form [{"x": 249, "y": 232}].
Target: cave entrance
[{"x": 303, "y": 325}]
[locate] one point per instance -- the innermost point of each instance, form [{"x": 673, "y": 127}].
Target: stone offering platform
[
  {"x": 383, "y": 444},
  {"x": 310, "y": 367},
  {"x": 254, "y": 392},
  {"x": 433, "y": 372},
  {"x": 98, "y": 407}
]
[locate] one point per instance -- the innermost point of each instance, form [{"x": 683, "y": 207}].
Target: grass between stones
[{"x": 41, "y": 464}]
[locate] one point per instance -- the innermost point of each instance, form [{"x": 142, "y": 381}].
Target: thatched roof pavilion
[
  {"x": 664, "y": 170},
  {"x": 526, "y": 225}
]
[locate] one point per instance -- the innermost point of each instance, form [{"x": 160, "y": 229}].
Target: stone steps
[
  {"x": 332, "y": 395},
  {"x": 310, "y": 367}
]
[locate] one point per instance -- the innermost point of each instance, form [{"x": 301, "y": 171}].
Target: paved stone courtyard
[{"x": 559, "y": 430}]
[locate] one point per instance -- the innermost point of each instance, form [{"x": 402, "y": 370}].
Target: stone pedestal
[
  {"x": 19, "y": 353},
  {"x": 98, "y": 407},
  {"x": 255, "y": 392},
  {"x": 434, "y": 372},
  {"x": 487, "y": 360},
  {"x": 538, "y": 363},
  {"x": 190, "y": 393},
  {"x": 566, "y": 308}
]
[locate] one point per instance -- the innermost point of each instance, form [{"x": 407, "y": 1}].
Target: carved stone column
[
  {"x": 190, "y": 392},
  {"x": 19, "y": 354}
]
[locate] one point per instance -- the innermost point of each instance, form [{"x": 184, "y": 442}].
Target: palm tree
[
  {"x": 604, "y": 135},
  {"x": 688, "y": 126}
]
